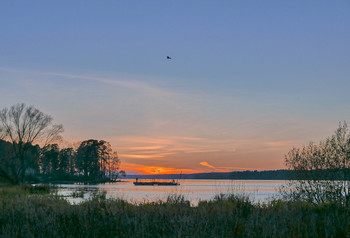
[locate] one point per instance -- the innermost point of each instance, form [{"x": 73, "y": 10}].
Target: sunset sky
[{"x": 247, "y": 81}]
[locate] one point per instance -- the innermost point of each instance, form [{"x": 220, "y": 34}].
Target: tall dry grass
[{"x": 33, "y": 215}]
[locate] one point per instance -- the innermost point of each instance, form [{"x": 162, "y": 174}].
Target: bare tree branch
[{"x": 23, "y": 126}]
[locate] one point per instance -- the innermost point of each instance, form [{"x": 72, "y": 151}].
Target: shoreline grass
[{"x": 29, "y": 214}]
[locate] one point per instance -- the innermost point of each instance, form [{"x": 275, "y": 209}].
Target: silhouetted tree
[
  {"x": 322, "y": 170},
  {"x": 91, "y": 158},
  {"x": 67, "y": 161},
  {"x": 7, "y": 162},
  {"x": 112, "y": 164},
  {"x": 2, "y": 133},
  {"x": 32, "y": 156},
  {"x": 50, "y": 159},
  {"x": 23, "y": 126}
]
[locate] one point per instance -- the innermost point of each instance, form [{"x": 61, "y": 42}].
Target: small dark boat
[{"x": 154, "y": 183}]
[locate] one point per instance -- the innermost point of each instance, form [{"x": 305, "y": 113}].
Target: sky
[{"x": 248, "y": 80}]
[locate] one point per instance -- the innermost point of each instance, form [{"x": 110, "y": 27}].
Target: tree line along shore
[
  {"x": 30, "y": 153},
  {"x": 280, "y": 174}
]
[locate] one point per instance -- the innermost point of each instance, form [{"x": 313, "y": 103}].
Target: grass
[
  {"x": 13, "y": 191},
  {"x": 27, "y": 214},
  {"x": 78, "y": 194}
]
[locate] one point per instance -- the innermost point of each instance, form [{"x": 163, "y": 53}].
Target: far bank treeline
[
  {"x": 22, "y": 160},
  {"x": 282, "y": 174}
]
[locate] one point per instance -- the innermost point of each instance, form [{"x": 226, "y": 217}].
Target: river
[{"x": 192, "y": 189}]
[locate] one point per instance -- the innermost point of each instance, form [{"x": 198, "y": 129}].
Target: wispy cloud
[
  {"x": 144, "y": 148},
  {"x": 174, "y": 143},
  {"x": 279, "y": 144},
  {"x": 126, "y": 81},
  {"x": 130, "y": 83},
  {"x": 225, "y": 169},
  {"x": 143, "y": 156},
  {"x": 207, "y": 165}
]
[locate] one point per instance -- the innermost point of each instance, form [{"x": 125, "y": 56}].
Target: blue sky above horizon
[{"x": 247, "y": 81}]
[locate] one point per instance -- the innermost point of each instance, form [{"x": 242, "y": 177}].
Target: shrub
[{"x": 322, "y": 170}]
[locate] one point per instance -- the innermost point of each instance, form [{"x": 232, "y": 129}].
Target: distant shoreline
[{"x": 281, "y": 174}]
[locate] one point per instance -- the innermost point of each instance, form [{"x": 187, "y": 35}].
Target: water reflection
[{"x": 192, "y": 190}]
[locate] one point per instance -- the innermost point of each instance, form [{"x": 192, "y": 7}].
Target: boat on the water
[{"x": 157, "y": 183}]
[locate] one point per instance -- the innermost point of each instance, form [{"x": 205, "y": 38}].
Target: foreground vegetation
[{"x": 24, "y": 213}]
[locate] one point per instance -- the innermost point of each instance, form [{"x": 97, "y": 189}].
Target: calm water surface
[{"x": 192, "y": 190}]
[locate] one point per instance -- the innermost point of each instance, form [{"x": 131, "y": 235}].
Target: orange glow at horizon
[
  {"x": 136, "y": 168},
  {"x": 175, "y": 155},
  {"x": 149, "y": 170}
]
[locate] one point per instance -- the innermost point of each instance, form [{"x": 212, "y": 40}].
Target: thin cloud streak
[
  {"x": 143, "y": 148},
  {"x": 145, "y": 156},
  {"x": 207, "y": 165},
  {"x": 225, "y": 169},
  {"x": 133, "y": 84}
]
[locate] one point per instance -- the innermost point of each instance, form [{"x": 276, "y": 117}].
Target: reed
[{"x": 36, "y": 215}]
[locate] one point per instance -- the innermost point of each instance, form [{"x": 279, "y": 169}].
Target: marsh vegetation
[{"x": 26, "y": 214}]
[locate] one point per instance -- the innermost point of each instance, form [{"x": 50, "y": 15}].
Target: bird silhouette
[{"x": 168, "y": 57}]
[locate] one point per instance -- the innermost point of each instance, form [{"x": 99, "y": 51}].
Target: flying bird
[{"x": 168, "y": 57}]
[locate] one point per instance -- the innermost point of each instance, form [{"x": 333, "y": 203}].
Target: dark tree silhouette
[
  {"x": 50, "y": 159},
  {"x": 2, "y": 133},
  {"x": 23, "y": 126},
  {"x": 91, "y": 158},
  {"x": 112, "y": 164},
  {"x": 67, "y": 161}
]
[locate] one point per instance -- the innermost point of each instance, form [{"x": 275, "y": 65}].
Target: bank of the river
[{"x": 30, "y": 215}]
